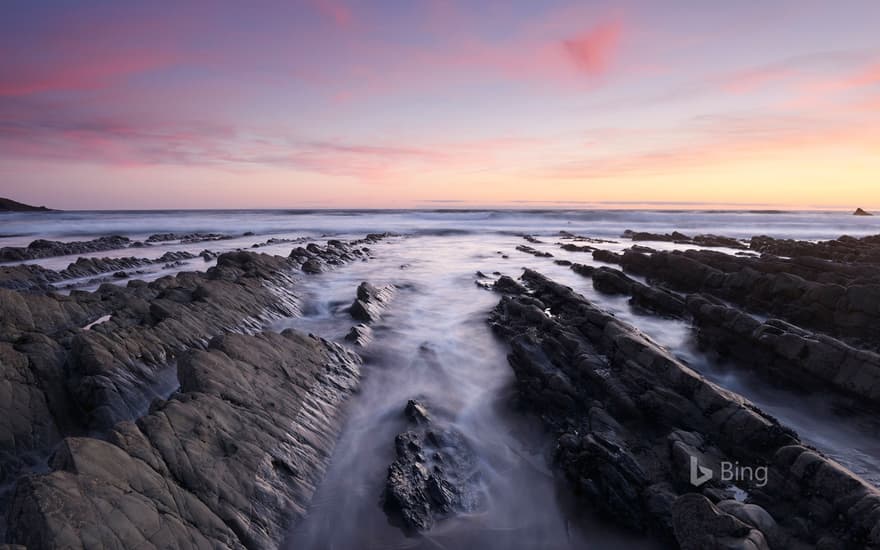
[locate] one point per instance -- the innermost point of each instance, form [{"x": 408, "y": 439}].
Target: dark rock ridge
[
  {"x": 42, "y": 248},
  {"x": 630, "y": 417},
  {"x": 860, "y": 212},
  {"x": 34, "y": 277},
  {"x": 187, "y": 238},
  {"x": 566, "y": 235},
  {"x": 606, "y": 256},
  {"x": 681, "y": 238},
  {"x": 842, "y": 249},
  {"x": 533, "y": 251},
  {"x": 508, "y": 285},
  {"x": 614, "y": 281},
  {"x": 848, "y": 311},
  {"x": 571, "y": 247},
  {"x": 782, "y": 351},
  {"x": 371, "y": 301},
  {"x": 360, "y": 335},
  {"x": 799, "y": 357},
  {"x": 434, "y": 475},
  {"x": 58, "y": 379},
  {"x": 315, "y": 258},
  {"x": 229, "y": 462},
  {"x": 9, "y": 205}
]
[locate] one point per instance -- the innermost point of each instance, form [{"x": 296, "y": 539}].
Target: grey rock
[
  {"x": 229, "y": 462},
  {"x": 371, "y": 302}
]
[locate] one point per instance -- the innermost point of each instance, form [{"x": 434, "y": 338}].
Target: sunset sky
[{"x": 336, "y": 103}]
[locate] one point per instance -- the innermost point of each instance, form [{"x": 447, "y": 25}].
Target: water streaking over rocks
[{"x": 424, "y": 379}]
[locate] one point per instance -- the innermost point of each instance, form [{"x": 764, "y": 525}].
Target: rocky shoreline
[
  {"x": 77, "y": 370},
  {"x": 630, "y": 417},
  {"x": 162, "y": 414}
]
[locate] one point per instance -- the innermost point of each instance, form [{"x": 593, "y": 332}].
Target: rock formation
[
  {"x": 630, "y": 419},
  {"x": 229, "y": 461}
]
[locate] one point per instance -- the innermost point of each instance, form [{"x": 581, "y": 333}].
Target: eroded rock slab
[
  {"x": 434, "y": 475},
  {"x": 371, "y": 301},
  {"x": 229, "y": 462},
  {"x": 62, "y": 374},
  {"x": 630, "y": 419},
  {"x": 42, "y": 248},
  {"x": 849, "y": 311}
]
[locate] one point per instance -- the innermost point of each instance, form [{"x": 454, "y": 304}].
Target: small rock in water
[
  {"x": 370, "y": 302},
  {"x": 416, "y": 412},
  {"x": 360, "y": 335},
  {"x": 434, "y": 475}
]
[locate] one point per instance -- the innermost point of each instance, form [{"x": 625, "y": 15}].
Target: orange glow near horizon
[{"x": 326, "y": 103}]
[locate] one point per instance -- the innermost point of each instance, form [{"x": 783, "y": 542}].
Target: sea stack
[{"x": 860, "y": 212}]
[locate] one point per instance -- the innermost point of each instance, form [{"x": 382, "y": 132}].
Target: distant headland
[{"x": 9, "y": 205}]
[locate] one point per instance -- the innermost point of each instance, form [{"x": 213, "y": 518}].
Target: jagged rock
[
  {"x": 842, "y": 249},
  {"x": 42, "y": 248},
  {"x": 614, "y": 281},
  {"x": 65, "y": 374},
  {"x": 229, "y": 462},
  {"x": 579, "y": 238},
  {"x": 606, "y": 256},
  {"x": 784, "y": 351},
  {"x": 681, "y": 238},
  {"x": 416, "y": 412},
  {"x": 371, "y": 301},
  {"x": 583, "y": 270},
  {"x": 533, "y": 251},
  {"x": 508, "y": 285},
  {"x": 571, "y": 247},
  {"x": 699, "y": 525},
  {"x": 842, "y": 311},
  {"x": 34, "y": 277},
  {"x": 860, "y": 212},
  {"x": 360, "y": 335},
  {"x": 433, "y": 476},
  {"x": 630, "y": 417},
  {"x": 188, "y": 238}
]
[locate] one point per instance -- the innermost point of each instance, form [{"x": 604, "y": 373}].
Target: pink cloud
[
  {"x": 592, "y": 50},
  {"x": 718, "y": 140},
  {"x": 88, "y": 73},
  {"x": 337, "y": 12},
  {"x": 750, "y": 80}
]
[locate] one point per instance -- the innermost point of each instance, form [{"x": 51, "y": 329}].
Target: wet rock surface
[
  {"x": 534, "y": 251},
  {"x": 630, "y": 418},
  {"x": 680, "y": 238},
  {"x": 796, "y": 290},
  {"x": 798, "y": 357},
  {"x": 227, "y": 462},
  {"x": 434, "y": 474},
  {"x": 842, "y": 249},
  {"x": 614, "y": 281},
  {"x": 42, "y": 248},
  {"x": 35, "y": 277},
  {"x": 371, "y": 301},
  {"x": 187, "y": 238},
  {"x": 81, "y": 363}
]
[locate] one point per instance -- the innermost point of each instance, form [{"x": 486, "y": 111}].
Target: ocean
[{"x": 435, "y": 345}]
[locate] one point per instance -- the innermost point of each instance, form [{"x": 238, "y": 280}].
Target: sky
[{"x": 440, "y": 104}]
